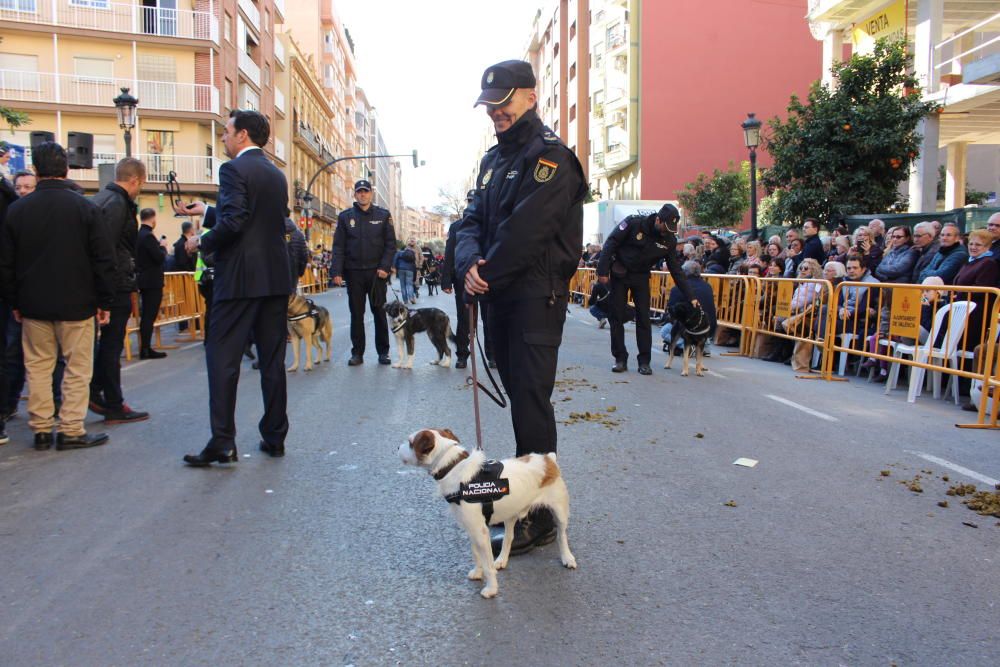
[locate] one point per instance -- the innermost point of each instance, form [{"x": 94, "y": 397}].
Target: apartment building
[
  {"x": 421, "y": 224},
  {"x": 956, "y": 57},
  {"x": 648, "y": 94},
  {"x": 188, "y": 62}
]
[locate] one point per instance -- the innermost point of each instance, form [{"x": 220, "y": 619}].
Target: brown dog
[{"x": 311, "y": 323}]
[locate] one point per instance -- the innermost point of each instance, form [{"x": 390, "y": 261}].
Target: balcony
[
  {"x": 131, "y": 19},
  {"x": 279, "y": 100},
  {"x": 44, "y": 87},
  {"x": 249, "y": 99},
  {"x": 305, "y": 133},
  {"x": 279, "y": 52},
  {"x": 279, "y": 150},
  {"x": 190, "y": 169},
  {"x": 251, "y": 13},
  {"x": 617, "y": 157},
  {"x": 280, "y": 6},
  {"x": 249, "y": 67}
]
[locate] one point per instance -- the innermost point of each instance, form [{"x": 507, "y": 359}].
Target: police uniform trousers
[
  {"x": 362, "y": 285},
  {"x": 233, "y": 321},
  {"x": 638, "y": 285},
  {"x": 526, "y": 334}
]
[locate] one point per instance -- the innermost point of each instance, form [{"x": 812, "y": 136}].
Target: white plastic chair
[{"x": 928, "y": 354}]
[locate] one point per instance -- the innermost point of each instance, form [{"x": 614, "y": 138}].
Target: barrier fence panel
[
  {"x": 793, "y": 309},
  {"x": 314, "y": 281},
  {"x": 736, "y": 301},
  {"x": 181, "y": 302},
  {"x": 581, "y": 283}
]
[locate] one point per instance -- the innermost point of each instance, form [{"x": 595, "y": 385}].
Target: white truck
[{"x": 600, "y": 217}]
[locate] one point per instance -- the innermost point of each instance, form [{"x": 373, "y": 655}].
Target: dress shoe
[
  {"x": 619, "y": 367},
  {"x": 356, "y": 360},
  {"x": 535, "y": 530},
  {"x": 644, "y": 369},
  {"x": 209, "y": 456},
  {"x": 276, "y": 451},
  {"x": 43, "y": 441},
  {"x": 82, "y": 441},
  {"x": 96, "y": 404},
  {"x": 4, "y": 438},
  {"x": 124, "y": 416},
  {"x": 384, "y": 359},
  {"x": 150, "y": 353},
  {"x": 460, "y": 363}
]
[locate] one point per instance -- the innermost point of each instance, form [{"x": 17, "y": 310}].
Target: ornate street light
[
  {"x": 125, "y": 105},
  {"x": 751, "y": 136}
]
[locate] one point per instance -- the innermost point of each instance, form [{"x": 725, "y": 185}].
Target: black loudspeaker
[
  {"x": 80, "y": 150},
  {"x": 40, "y": 137}
]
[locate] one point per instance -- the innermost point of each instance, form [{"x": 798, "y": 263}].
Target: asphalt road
[{"x": 338, "y": 555}]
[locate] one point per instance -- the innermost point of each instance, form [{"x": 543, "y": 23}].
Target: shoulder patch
[
  {"x": 550, "y": 137},
  {"x": 545, "y": 170},
  {"x": 623, "y": 226}
]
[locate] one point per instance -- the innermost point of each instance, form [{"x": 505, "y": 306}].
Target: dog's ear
[
  {"x": 448, "y": 433},
  {"x": 423, "y": 443}
]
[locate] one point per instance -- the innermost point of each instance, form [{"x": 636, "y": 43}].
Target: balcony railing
[
  {"x": 972, "y": 46},
  {"x": 309, "y": 137},
  {"x": 113, "y": 17},
  {"x": 279, "y": 100},
  {"x": 249, "y": 99},
  {"x": 280, "y": 6},
  {"x": 249, "y": 67},
  {"x": 279, "y": 52},
  {"x": 279, "y": 149},
  {"x": 251, "y": 12},
  {"x": 20, "y": 86},
  {"x": 190, "y": 169}
]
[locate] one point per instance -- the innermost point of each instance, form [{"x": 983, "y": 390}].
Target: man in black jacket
[
  {"x": 517, "y": 247},
  {"x": 364, "y": 245},
  {"x": 149, "y": 258},
  {"x": 813, "y": 246},
  {"x": 57, "y": 271},
  {"x": 116, "y": 204},
  {"x": 246, "y": 233},
  {"x": 630, "y": 252},
  {"x": 184, "y": 259}
]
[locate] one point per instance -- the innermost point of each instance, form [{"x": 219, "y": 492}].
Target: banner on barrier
[
  {"x": 783, "y": 305},
  {"x": 904, "y": 315}
]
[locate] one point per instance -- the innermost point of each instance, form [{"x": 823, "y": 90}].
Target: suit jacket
[
  {"x": 149, "y": 258},
  {"x": 246, "y": 231}
]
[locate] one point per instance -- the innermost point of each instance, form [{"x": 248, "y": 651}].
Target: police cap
[
  {"x": 668, "y": 213},
  {"x": 501, "y": 80},
  {"x": 470, "y": 195},
  {"x": 363, "y": 185}
]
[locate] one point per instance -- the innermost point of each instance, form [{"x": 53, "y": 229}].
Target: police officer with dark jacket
[
  {"x": 517, "y": 247},
  {"x": 118, "y": 210},
  {"x": 631, "y": 251},
  {"x": 363, "y": 247}
]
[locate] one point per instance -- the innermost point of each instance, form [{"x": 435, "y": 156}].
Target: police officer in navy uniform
[
  {"x": 363, "y": 247},
  {"x": 518, "y": 245},
  {"x": 629, "y": 254}
]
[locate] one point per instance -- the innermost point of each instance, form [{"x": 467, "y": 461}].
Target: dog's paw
[
  {"x": 489, "y": 591},
  {"x": 308, "y": 368},
  {"x": 684, "y": 374},
  {"x": 699, "y": 374},
  {"x": 569, "y": 562},
  {"x": 292, "y": 369},
  {"x": 500, "y": 564},
  {"x": 396, "y": 366},
  {"x": 666, "y": 367},
  {"x": 476, "y": 574}
]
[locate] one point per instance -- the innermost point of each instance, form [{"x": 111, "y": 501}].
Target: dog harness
[
  {"x": 703, "y": 323},
  {"x": 313, "y": 312},
  {"x": 409, "y": 314},
  {"x": 485, "y": 488}
]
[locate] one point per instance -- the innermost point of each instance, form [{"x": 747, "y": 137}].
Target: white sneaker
[{"x": 602, "y": 323}]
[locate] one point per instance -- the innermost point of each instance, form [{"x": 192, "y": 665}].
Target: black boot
[
  {"x": 535, "y": 530},
  {"x": 208, "y": 456}
]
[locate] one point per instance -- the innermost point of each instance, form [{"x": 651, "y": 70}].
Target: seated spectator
[
  {"x": 950, "y": 257},
  {"x": 866, "y": 248},
  {"x": 702, "y": 291},
  {"x": 774, "y": 251},
  {"x": 926, "y": 245},
  {"x": 736, "y": 257},
  {"x": 754, "y": 253},
  {"x": 979, "y": 271},
  {"x": 855, "y": 316},
  {"x": 598, "y": 305},
  {"x": 841, "y": 247},
  {"x": 834, "y": 272},
  {"x": 753, "y": 270},
  {"x": 876, "y": 229},
  {"x": 717, "y": 259},
  {"x": 793, "y": 257},
  {"x": 899, "y": 257},
  {"x": 775, "y": 268}
]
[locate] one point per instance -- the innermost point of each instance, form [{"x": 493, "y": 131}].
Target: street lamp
[
  {"x": 751, "y": 136},
  {"x": 125, "y": 105}
]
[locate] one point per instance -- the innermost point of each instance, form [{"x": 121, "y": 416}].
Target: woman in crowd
[
  {"x": 840, "y": 249},
  {"x": 736, "y": 256},
  {"x": 774, "y": 251},
  {"x": 899, "y": 257},
  {"x": 793, "y": 257},
  {"x": 775, "y": 268},
  {"x": 754, "y": 254},
  {"x": 717, "y": 255},
  {"x": 834, "y": 272},
  {"x": 866, "y": 248},
  {"x": 802, "y": 320},
  {"x": 980, "y": 271}
]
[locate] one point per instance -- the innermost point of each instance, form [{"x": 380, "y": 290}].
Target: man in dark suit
[
  {"x": 149, "y": 258},
  {"x": 246, "y": 233}
]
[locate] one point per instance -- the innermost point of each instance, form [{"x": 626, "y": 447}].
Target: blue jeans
[
  {"x": 665, "y": 335},
  {"x": 598, "y": 313},
  {"x": 405, "y": 283}
]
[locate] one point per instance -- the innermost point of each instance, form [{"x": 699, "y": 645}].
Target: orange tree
[{"x": 846, "y": 149}]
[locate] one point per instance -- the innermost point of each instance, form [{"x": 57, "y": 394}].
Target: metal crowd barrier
[
  {"x": 935, "y": 332},
  {"x": 182, "y": 302},
  {"x": 314, "y": 280}
]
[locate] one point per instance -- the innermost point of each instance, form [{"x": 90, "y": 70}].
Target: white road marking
[
  {"x": 793, "y": 404},
  {"x": 962, "y": 470},
  {"x": 715, "y": 375}
]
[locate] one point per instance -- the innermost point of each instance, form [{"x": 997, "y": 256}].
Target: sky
[{"x": 420, "y": 64}]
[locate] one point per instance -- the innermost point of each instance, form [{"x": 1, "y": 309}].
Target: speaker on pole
[
  {"x": 40, "y": 137},
  {"x": 80, "y": 150}
]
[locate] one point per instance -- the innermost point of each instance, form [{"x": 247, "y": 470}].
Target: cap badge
[
  {"x": 487, "y": 176},
  {"x": 638, "y": 237},
  {"x": 352, "y": 223},
  {"x": 489, "y": 78},
  {"x": 545, "y": 170}
]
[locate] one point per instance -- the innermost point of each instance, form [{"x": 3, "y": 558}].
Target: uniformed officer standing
[
  {"x": 629, "y": 254},
  {"x": 518, "y": 245},
  {"x": 363, "y": 247}
]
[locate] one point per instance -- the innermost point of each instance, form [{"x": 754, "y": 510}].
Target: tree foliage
[
  {"x": 452, "y": 201},
  {"x": 720, "y": 200},
  {"x": 846, "y": 150},
  {"x": 14, "y": 119}
]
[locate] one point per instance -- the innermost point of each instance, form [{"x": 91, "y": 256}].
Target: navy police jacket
[
  {"x": 363, "y": 240},
  {"x": 636, "y": 246},
  {"x": 526, "y": 218}
]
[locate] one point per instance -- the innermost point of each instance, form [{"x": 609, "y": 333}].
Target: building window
[
  {"x": 228, "y": 99},
  {"x": 572, "y": 30},
  {"x": 96, "y": 4},
  {"x": 97, "y": 70},
  {"x": 572, "y": 71},
  {"x": 227, "y": 27},
  {"x": 160, "y": 161},
  {"x": 18, "y": 5},
  {"x": 572, "y": 113}
]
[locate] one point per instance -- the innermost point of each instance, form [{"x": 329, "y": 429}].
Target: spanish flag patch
[{"x": 545, "y": 170}]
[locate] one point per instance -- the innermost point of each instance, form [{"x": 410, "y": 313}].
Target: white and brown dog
[{"x": 534, "y": 481}]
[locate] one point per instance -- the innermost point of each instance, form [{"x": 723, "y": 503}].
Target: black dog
[
  {"x": 691, "y": 325},
  {"x": 407, "y": 323}
]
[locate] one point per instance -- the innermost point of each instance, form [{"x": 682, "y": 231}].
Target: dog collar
[
  {"x": 403, "y": 323},
  {"x": 443, "y": 472}
]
